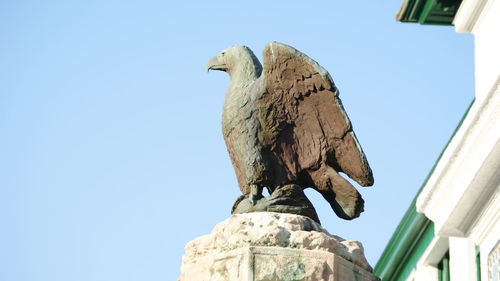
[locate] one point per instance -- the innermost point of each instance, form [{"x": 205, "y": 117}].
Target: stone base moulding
[
  {"x": 273, "y": 264},
  {"x": 267, "y": 246}
]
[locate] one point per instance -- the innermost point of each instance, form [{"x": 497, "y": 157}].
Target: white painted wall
[{"x": 462, "y": 259}]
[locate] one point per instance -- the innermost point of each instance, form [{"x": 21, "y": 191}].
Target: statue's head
[{"x": 234, "y": 60}]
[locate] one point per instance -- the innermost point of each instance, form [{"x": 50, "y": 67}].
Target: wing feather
[{"x": 303, "y": 116}]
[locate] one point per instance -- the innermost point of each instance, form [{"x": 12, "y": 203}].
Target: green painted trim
[
  {"x": 444, "y": 268},
  {"x": 420, "y": 245},
  {"x": 410, "y": 10},
  {"x": 412, "y": 235},
  {"x": 478, "y": 264},
  {"x": 429, "y": 5},
  {"x": 402, "y": 248},
  {"x": 434, "y": 12}
]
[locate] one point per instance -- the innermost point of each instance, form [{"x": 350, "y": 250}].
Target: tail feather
[{"x": 344, "y": 199}]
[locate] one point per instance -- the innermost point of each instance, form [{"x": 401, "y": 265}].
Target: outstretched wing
[{"x": 305, "y": 117}]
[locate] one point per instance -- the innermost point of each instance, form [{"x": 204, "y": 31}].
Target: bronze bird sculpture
[{"x": 285, "y": 124}]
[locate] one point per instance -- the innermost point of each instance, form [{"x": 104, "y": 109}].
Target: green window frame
[
  {"x": 478, "y": 264},
  {"x": 444, "y": 268}
]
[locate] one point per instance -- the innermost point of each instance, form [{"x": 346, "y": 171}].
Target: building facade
[{"x": 451, "y": 230}]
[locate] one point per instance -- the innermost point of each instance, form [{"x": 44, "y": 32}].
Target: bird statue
[{"x": 284, "y": 125}]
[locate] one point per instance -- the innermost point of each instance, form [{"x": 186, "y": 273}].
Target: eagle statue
[{"x": 284, "y": 124}]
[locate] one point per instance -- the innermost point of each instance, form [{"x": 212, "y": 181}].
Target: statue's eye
[{"x": 223, "y": 53}]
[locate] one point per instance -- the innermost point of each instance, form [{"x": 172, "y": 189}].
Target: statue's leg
[{"x": 255, "y": 193}]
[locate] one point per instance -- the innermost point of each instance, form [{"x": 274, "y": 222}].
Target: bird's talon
[{"x": 253, "y": 198}]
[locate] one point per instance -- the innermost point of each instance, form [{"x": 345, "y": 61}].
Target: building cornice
[{"x": 467, "y": 176}]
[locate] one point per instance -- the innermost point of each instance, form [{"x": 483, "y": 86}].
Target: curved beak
[{"x": 214, "y": 64}]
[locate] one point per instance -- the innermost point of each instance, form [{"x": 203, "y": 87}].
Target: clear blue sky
[{"x": 111, "y": 156}]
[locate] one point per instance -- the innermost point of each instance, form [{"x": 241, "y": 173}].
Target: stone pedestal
[{"x": 272, "y": 246}]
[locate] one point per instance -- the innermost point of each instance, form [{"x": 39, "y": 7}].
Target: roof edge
[
  {"x": 433, "y": 12},
  {"x": 412, "y": 226}
]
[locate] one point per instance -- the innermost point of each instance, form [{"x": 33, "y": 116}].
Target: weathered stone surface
[
  {"x": 284, "y": 123},
  {"x": 273, "y": 246}
]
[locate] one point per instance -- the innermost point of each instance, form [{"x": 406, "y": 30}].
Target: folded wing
[{"x": 306, "y": 118}]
